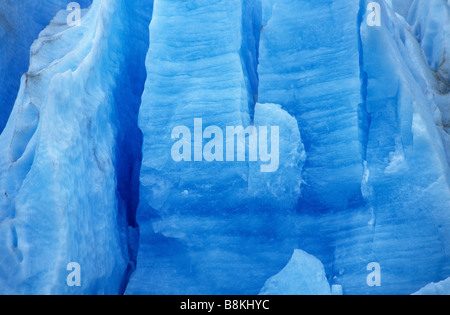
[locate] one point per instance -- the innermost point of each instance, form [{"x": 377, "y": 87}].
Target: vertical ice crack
[{"x": 363, "y": 114}]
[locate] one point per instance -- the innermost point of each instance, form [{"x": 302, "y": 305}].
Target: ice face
[
  {"x": 295, "y": 72},
  {"x": 60, "y": 201},
  {"x": 357, "y": 132},
  {"x": 261, "y": 126}
]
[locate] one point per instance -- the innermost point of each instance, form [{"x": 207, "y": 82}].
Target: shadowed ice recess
[{"x": 361, "y": 100}]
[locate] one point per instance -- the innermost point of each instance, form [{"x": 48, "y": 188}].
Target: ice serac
[
  {"x": 280, "y": 188},
  {"x": 303, "y": 275},
  {"x": 309, "y": 64},
  {"x": 406, "y": 183},
  {"x": 20, "y": 24},
  {"x": 203, "y": 229},
  {"x": 60, "y": 199}
]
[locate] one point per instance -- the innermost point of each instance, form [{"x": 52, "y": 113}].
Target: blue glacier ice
[
  {"x": 303, "y": 275},
  {"x": 295, "y": 71},
  {"x": 20, "y": 24},
  {"x": 371, "y": 113},
  {"x": 406, "y": 183},
  {"x": 209, "y": 220},
  {"x": 441, "y": 288},
  {"x": 194, "y": 147},
  {"x": 63, "y": 154}
]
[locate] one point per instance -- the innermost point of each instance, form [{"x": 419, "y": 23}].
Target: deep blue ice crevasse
[{"x": 62, "y": 179}]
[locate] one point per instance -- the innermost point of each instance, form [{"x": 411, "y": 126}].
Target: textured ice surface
[
  {"x": 309, "y": 65},
  {"x": 207, "y": 227},
  {"x": 371, "y": 114},
  {"x": 441, "y": 288},
  {"x": 402, "y": 7},
  {"x": 406, "y": 182},
  {"x": 430, "y": 24},
  {"x": 60, "y": 201},
  {"x": 383, "y": 115},
  {"x": 303, "y": 275},
  {"x": 20, "y": 24},
  {"x": 364, "y": 150}
]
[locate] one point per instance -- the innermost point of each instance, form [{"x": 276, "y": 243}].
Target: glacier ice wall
[
  {"x": 61, "y": 201},
  {"x": 280, "y": 189},
  {"x": 20, "y": 23},
  {"x": 364, "y": 150},
  {"x": 207, "y": 220},
  {"x": 309, "y": 64}
]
